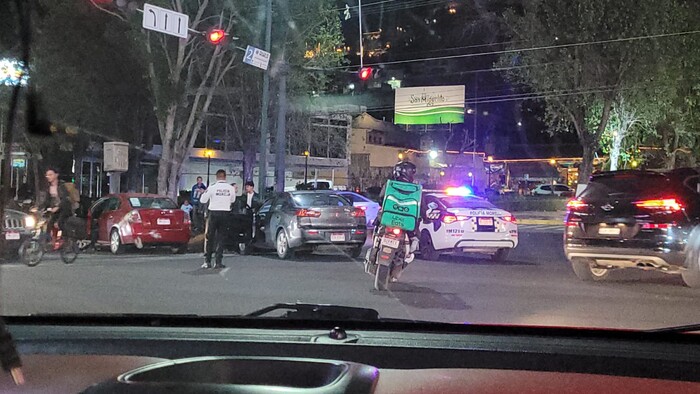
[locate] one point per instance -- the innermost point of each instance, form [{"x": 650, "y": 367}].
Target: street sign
[
  {"x": 347, "y": 12},
  {"x": 165, "y": 21},
  {"x": 19, "y": 163},
  {"x": 256, "y": 57}
]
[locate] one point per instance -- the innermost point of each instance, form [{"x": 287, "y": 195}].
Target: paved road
[{"x": 535, "y": 286}]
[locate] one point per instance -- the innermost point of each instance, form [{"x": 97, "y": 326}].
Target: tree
[
  {"x": 182, "y": 76},
  {"x": 577, "y": 55}
]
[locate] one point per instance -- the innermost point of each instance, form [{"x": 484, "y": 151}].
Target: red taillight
[
  {"x": 449, "y": 219},
  {"x": 395, "y": 231},
  {"x": 664, "y": 204},
  {"x": 134, "y": 217},
  {"x": 653, "y": 226},
  {"x": 576, "y": 205},
  {"x": 358, "y": 212},
  {"x": 510, "y": 219},
  {"x": 308, "y": 213},
  {"x": 364, "y": 207}
]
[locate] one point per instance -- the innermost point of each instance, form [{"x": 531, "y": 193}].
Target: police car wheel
[
  {"x": 501, "y": 255},
  {"x": 427, "y": 249}
]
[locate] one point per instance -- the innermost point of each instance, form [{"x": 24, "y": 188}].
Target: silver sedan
[{"x": 300, "y": 221}]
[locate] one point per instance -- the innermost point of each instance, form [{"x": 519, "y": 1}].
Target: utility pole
[
  {"x": 281, "y": 150},
  {"x": 264, "y": 121},
  {"x": 476, "y": 115}
]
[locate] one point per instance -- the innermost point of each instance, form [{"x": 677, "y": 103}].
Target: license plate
[
  {"x": 391, "y": 242},
  {"x": 12, "y": 236},
  {"x": 339, "y": 237},
  {"x": 609, "y": 231},
  {"x": 485, "y": 221},
  {"x": 163, "y": 222}
]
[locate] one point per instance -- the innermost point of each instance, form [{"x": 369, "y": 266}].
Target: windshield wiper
[
  {"x": 319, "y": 312},
  {"x": 687, "y": 329}
]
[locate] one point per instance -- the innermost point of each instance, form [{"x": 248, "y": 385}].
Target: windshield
[
  {"x": 553, "y": 149},
  {"x": 306, "y": 200},
  {"x": 465, "y": 202},
  {"x": 151, "y": 203}
]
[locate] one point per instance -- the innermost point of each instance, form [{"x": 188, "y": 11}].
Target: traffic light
[
  {"x": 216, "y": 36},
  {"x": 365, "y": 73}
]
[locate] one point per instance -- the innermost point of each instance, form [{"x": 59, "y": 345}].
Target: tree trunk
[
  {"x": 586, "y": 168},
  {"x": 249, "y": 156},
  {"x": 615, "y": 151}
]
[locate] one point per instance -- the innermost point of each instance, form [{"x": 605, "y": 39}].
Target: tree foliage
[{"x": 577, "y": 55}]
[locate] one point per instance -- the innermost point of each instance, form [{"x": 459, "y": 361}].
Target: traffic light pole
[
  {"x": 362, "y": 51},
  {"x": 264, "y": 121}
]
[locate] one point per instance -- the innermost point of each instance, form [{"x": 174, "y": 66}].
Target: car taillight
[
  {"x": 654, "y": 226},
  {"x": 662, "y": 204},
  {"x": 510, "y": 219},
  {"x": 576, "y": 205},
  {"x": 358, "y": 212},
  {"x": 134, "y": 217},
  {"x": 308, "y": 213},
  {"x": 363, "y": 207}
]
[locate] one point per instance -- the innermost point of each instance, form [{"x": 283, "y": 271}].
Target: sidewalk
[{"x": 534, "y": 217}]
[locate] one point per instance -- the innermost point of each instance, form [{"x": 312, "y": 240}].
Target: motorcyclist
[{"x": 404, "y": 171}]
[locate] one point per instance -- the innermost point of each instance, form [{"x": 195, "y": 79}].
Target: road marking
[{"x": 541, "y": 228}]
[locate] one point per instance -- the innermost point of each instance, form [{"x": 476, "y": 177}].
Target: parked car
[
  {"x": 636, "y": 219},
  {"x": 140, "y": 220},
  {"x": 18, "y": 226},
  {"x": 370, "y": 207},
  {"x": 553, "y": 190},
  {"x": 300, "y": 221}
]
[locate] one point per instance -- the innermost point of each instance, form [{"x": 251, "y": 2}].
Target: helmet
[{"x": 404, "y": 171}]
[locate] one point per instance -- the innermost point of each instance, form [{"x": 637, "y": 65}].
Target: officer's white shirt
[{"x": 220, "y": 196}]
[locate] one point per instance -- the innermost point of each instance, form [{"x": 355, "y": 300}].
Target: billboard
[{"x": 429, "y": 105}]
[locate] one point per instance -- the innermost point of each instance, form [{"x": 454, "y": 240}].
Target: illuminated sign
[{"x": 429, "y": 105}]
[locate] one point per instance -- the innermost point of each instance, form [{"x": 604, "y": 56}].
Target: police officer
[{"x": 220, "y": 197}]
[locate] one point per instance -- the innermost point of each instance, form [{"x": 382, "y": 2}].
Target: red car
[{"x": 140, "y": 220}]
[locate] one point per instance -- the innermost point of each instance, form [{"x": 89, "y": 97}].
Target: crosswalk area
[{"x": 541, "y": 228}]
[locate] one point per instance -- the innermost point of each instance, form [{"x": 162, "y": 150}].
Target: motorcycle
[
  {"x": 395, "y": 251},
  {"x": 45, "y": 240}
]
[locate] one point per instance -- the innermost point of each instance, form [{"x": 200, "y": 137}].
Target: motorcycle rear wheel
[
  {"x": 381, "y": 278},
  {"x": 69, "y": 250}
]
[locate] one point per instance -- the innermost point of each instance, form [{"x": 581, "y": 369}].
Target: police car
[{"x": 454, "y": 221}]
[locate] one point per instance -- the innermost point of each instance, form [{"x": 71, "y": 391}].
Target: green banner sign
[{"x": 401, "y": 205}]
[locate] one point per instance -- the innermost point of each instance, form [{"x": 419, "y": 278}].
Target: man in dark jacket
[{"x": 58, "y": 201}]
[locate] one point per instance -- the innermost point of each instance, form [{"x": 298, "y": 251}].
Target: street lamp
[
  {"x": 490, "y": 160},
  {"x": 306, "y": 166},
  {"x": 433, "y": 154},
  {"x": 400, "y": 156},
  {"x": 552, "y": 162},
  {"x": 208, "y": 153}
]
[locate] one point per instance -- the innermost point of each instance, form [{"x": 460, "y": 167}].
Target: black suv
[{"x": 636, "y": 219}]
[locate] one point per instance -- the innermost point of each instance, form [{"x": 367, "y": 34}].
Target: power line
[{"x": 531, "y": 49}]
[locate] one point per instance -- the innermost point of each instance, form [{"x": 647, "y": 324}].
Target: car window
[
  {"x": 546, "y": 188},
  {"x": 561, "y": 188},
  {"x": 281, "y": 201},
  {"x": 99, "y": 206},
  {"x": 627, "y": 185},
  {"x": 113, "y": 204},
  {"x": 465, "y": 202},
  {"x": 151, "y": 203},
  {"x": 307, "y": 200},
  {"x": 353, "y": 198},
  {"x": 265, "y": 208}
]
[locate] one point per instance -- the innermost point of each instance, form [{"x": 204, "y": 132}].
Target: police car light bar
[{"x": 458, "y": 191}]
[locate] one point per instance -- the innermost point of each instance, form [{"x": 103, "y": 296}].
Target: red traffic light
[
  {"x": 216, "y": 36},
  {"x": 365, "y": 73}
]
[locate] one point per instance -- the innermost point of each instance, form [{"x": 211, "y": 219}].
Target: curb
[{"x": 542, "y": 221}]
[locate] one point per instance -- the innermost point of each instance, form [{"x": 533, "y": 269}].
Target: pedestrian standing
[
  {"x": 220, "y": 197},
  {"x": 197, "y": 208}
]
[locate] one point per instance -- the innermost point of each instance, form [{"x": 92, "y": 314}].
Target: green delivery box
[{"x": 401, "y": 205}]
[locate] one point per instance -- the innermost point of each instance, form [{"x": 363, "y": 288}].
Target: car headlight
[{"x": 29, "y": 221}]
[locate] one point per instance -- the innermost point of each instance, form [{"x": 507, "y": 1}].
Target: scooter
[{"x": 394, "y": 252}]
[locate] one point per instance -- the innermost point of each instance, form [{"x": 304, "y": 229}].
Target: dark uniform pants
[{"x": 216, "y": 227}]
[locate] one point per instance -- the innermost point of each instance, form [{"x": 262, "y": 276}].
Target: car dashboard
[{"x": 141, "y": 355}]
